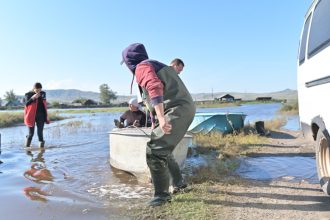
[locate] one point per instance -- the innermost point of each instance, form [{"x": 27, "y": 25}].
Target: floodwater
[
  {"x": 72, "y": 178},
  {"x": 259, "y": 112},
  {"x": 268, "y": 168},
  {"x": 295, "y": 168}
]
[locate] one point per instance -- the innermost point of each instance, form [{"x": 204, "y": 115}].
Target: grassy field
[
  {"x": 219, "y": 104},
  {"x": 8, "y": 119},
  {"x": 291, "y": 108},
  {"x": 93, "y": 110}
]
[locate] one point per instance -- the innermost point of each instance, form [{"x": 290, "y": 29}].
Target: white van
[{"x": 313, "y": 74}]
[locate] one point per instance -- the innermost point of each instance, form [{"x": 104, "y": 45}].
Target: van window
[
  {"x": 303, "y": 41},
  {"x": 319, "y": 36}
]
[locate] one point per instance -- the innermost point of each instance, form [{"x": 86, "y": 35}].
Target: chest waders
[{"x": 179, "y": 110}]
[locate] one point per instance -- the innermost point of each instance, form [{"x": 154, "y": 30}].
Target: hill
[{"x": 68, "y": 95}]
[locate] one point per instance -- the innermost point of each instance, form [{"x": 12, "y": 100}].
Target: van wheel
[{"x": 323, "y": 161}]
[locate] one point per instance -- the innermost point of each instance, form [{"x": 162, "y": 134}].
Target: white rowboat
[{"x": 128, "y": 151}]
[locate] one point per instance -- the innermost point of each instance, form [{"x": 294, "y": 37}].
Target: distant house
[
  {"x": 227, "y": 98},
  {"x": 15, "y": 103},
  {"x": 77, "y": 104},
  {"x": 122, "y": 104},
  {"x": 89, "y": 102},
  {"x": 263, "y": 99},
  {"x": 63, "y": 105}
]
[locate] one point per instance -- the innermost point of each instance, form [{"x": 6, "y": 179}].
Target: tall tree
[
  {"x": 106, "y": 94},
  {"x": 10, "y": 96}
]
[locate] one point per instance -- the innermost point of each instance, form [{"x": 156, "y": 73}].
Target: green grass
[
  {"x": 90, "y": 110},
  {"x": 230, "y": 144},
  {"x": 8, "y": 119},
  {"x": 217, "y": 104},
  {"x": 276, "y": 123},
  {"x": 191, "y": 205},
  {"x": 290, "y": 108}
]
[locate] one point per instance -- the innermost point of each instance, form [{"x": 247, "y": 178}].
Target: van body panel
[{"x": 313, "y": 76}]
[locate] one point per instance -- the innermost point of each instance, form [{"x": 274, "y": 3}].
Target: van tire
[{"x": 323, "y": 161}]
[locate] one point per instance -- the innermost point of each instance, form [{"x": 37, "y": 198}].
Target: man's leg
[
  {"x": 175, "y": 172},
  {"x": 157, "y": 164}
]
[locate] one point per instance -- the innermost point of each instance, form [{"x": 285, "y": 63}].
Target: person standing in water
[
  {"x": 35, "y": 113},
  {"x": 172, "y": 105}
]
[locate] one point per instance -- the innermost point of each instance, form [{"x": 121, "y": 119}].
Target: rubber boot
[
  {"x": 28, "y": 141},
  {"x": 177, "y": 180},
  {"x": 160, "y": 178},
  {"x": 161, "y": 185},
  {"x": 42, "y": 144}
]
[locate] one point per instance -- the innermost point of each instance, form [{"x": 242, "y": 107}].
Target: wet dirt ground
[
  {"x": 275, "y": 199},
  {"x": 282, "y": 198}
]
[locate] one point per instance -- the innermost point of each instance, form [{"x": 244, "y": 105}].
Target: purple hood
[{"x": 133, "y": 55}]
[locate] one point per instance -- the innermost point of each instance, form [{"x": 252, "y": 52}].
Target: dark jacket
[
  {"x": 179, "y": 107},
  {"x": 31, "y": 106},
  {"x": 130, "y": 117}
]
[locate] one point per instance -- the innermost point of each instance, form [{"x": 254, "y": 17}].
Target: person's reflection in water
[
  {"x": 0, "y": 151},
  {"x": 35, "y": 194},
  {"x": 38, "y": 173}
]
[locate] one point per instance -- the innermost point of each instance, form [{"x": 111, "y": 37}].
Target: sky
[{"x": 227, "y": 46}]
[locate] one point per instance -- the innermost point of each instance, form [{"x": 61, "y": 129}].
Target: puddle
[
  {"x": 292, "y": 123},
  {"x": 287, "y": 168},
  {"x": 193, "y": 161}
]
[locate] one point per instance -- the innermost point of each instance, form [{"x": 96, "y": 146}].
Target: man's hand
[{"x": 165, "y": 125}]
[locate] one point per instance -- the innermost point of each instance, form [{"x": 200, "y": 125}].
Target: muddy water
[
  {"x": 70, "y": 179},
  {"x": 287, "y": 168}
]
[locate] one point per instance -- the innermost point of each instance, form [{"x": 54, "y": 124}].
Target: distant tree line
[{"x": 106, "y": 97}]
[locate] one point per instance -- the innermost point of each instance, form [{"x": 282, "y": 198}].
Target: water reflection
[
  {"x": 36, "y": 194},
  {"x": 0, "y": 153},
  {"x": 37, "y": 173}
]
